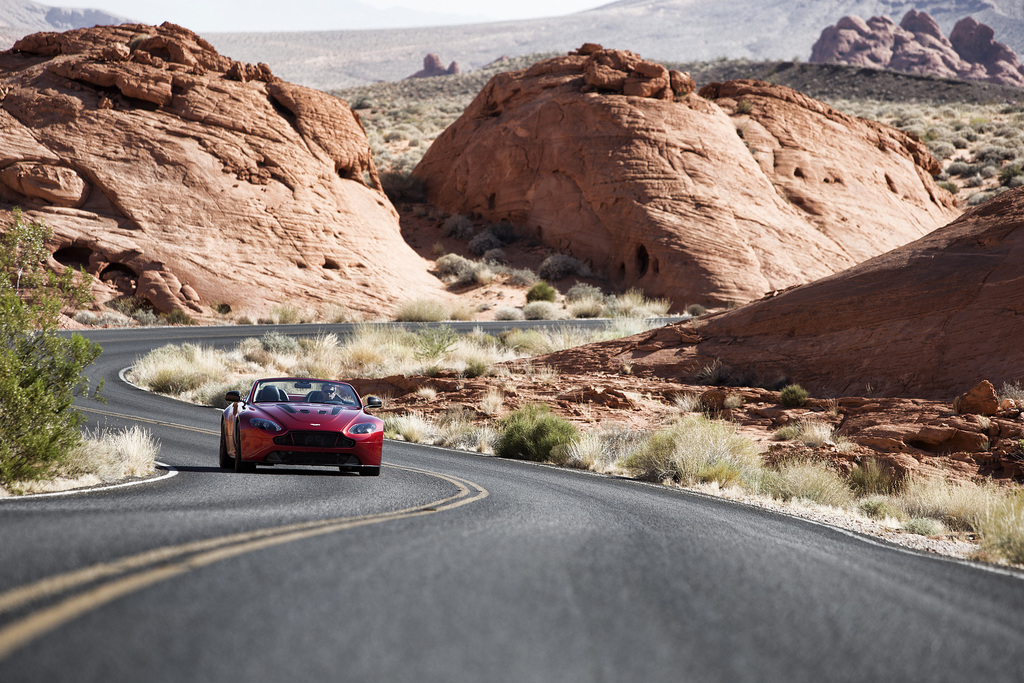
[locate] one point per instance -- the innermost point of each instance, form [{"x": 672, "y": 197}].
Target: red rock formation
[
  {"x": 173, "y": 173},
  {"x": 614, "y": 159},
  {"x": 432, "y": 66},
  {"x": 918, "y": 46},
  {"x": 931, "y": 319}
]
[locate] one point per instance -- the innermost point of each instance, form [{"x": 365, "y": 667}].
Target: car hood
[{"x": 314, "y": 416}]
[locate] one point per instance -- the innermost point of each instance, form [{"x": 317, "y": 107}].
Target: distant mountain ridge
[
  {"x": 32, "y": 16},
  {"x": 679, "y": 30},
  {"x": 676, "y": 30}
]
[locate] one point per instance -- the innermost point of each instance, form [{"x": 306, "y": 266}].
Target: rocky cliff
[
  {"x": 918, "y": 46},
  {"x": 175, "y": 174},
  {"x": 718, "y": 197}
]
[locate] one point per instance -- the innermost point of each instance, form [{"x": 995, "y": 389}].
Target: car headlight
[
  {"x": 363, "y": 428},
  {"x": 268, "y": 425}
]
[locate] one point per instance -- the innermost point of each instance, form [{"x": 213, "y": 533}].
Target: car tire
[
  {"x": 241, "y": 465},
  {"x": 369, "y": 471},
  {"x": 226, "y": 461}
]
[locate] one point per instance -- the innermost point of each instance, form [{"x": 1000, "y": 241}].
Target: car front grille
[{"x": 315, "y": 440}]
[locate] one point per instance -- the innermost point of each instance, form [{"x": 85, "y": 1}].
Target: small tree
[{"x": 41, "y": 371}]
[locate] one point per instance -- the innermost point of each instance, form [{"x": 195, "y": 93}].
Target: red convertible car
[{"x": 300, "y": 421}]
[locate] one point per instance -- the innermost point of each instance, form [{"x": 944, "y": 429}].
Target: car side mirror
[
  {"x": 373, "y": 402},
  {"x": 233, "y": 397}
]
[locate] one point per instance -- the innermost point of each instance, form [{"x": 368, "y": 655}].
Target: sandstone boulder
[
  {"x": 981, "y": 400},
  {"x": 918, "y": 46},
  {"x": 717, "y": 198},
  {"x": 173, "y": 173}
]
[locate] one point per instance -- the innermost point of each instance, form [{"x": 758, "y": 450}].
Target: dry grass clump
[
  {"x": 541, "y": 310},
  {"x": 177, "y": 369},
  {"x": 695, "y": 449},
  {"x": 102, "y": 457},
  {"x": 492, "y": 402},
  {"x": 960, "y": 506},
  {"x": 813, "y": 433},
  {"x": 421, "y": 311},
  {"x": 1002, "y": 527},
  {"x": 633, "y": 304},
  {"x": 808, "y": 481},
  {"x": 461, "y": 271}
]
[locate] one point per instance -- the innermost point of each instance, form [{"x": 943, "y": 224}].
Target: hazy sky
[{"x": 308, "y": 15}]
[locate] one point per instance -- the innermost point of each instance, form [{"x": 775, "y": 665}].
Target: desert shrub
[
  {"x": 504, "y": 231},
  {"x": 521, "y": 277},
  {"x": 793, "y": 396},
  {"x": 403, "y": 186},
  {"x": 993, "y": 154},
  {"x": 1002, "y": 527},
  {"x": 961, "y": 168},
  {"x": 421, "y": 311},
  {"x": 941, "y": 149},
  {"x": 540, "y": 310},
  {"x": 988, "y": 171},
  {"x": 879, "y": 507},
  {"x": 541, "y": 291},
  {"x": 532, "y": 433},
  {"x": 974, "y": 181},
  {"x": 1013, "y": 391},
  {"x": 787, "y": 432},
  {"x": 959, "y": 506},
  {"x": 582, "y": 291},
  {"x": 714, "y": 373},
  {"x": 979, "y": 198},
  {"x": 411, "y": 427},
  {"x": 923, "y": 526},
  {"x": 869, "y": 478},
  {"x": 695, "y": 449},
  {"x": 696, "y": 310},
  {"x": 586, "y": 308},
  {"x": 484, "y": 242},
  {"x": 497, "y": 255},
  {"x": 463, "y": 271},
  {"x": 809, "y": 481},
  {"x": 1009, "y": 172},
  {"x": 434, "y": 342},
  {"x": 458, "y": 227},
  {"x": 633, "y": 304},
  {"x": 41, "y": 371},
  {"x": 176, "y": 369},
  {"x": 508, "y": 313},
  {"x": 475, "y": 367},
  {"x": 179, "y": 317},
  {"x": 492, "y": 401},
  {"x": 560, "y": 266},
  {"x": 275, "y": 342},
  {"x": 950, "y": 187}
]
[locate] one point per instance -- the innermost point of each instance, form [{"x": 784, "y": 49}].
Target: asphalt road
[{"x": 459, "y": 567}]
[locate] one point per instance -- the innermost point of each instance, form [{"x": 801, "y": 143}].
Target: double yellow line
[{"x": 94, "y": 586}]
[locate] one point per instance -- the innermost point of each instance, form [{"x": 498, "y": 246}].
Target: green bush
[
  {"x": 40, "y": 370},
  {"x": 532, "y": 433},
  {"x": 793, "y": 396},
  {"x": 541, "y": 291},
  {"x": 179, "y": 317}
]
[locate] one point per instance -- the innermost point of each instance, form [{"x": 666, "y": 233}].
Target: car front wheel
[
  {"x": 226, "y": 461},
  {"x": 241, "y": 465}
]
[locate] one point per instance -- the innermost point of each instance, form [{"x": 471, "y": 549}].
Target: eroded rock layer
[
  {"x": 175, "y": 174},
  {"x": 928, "y": 320},
  {"x": 716, "y": 198}
]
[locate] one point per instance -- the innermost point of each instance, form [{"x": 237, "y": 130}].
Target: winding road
[{"x": 458, "y": 567}]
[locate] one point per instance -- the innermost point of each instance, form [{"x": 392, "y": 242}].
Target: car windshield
[{"x": 305, "y": 390}]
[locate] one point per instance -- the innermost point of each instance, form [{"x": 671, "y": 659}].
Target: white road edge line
[{"x": 171, "y": 472}]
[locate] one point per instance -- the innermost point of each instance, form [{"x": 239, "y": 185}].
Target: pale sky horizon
[{"x": 312, "y": 15}]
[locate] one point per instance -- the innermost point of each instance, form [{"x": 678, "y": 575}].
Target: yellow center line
[
  {"x": 193, "y": 556},
  {"x": 107, "y": 413}
]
